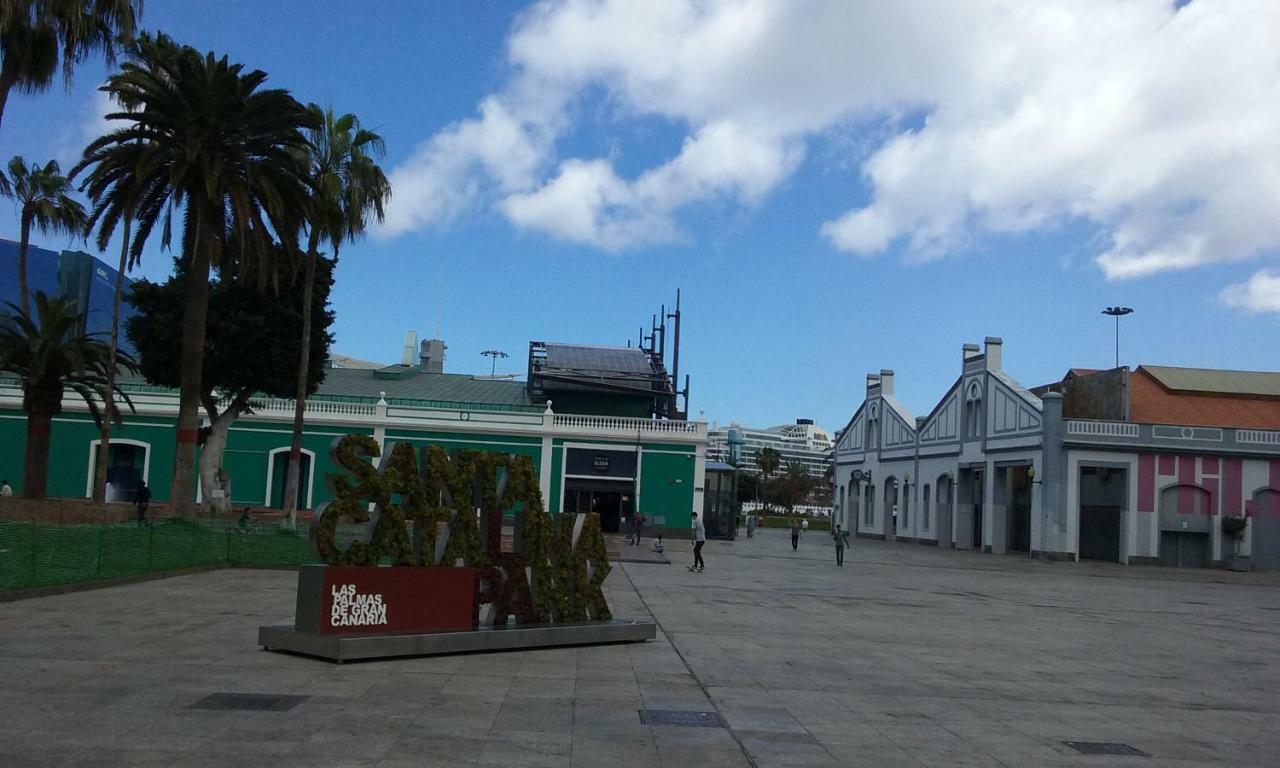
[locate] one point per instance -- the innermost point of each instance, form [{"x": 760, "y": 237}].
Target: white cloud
[
  {"x": 440, "y": 181},
  {"x": 1260, "y": 293},
  {"x": 92, "y": 123},
  {"x": 1157, "y": 126}
]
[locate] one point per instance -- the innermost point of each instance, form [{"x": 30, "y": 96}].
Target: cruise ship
[{"x": 803, "y": 442}]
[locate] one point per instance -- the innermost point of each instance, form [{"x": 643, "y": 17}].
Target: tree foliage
[
  {"x": 253, "y": 335},
  {"x": 42, "y": 195},
  {"x": 38, "y": 36},
  {"x": 51, "y": 353},
  {"x": 200, "y": 137},
  {"x": 792, "y": 487}
]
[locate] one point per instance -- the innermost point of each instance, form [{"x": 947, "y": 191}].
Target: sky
[{"x": 835, "y": 187}]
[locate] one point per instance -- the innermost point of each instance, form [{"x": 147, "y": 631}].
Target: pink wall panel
[
  {"x": 1167, "y": 463},
  {"x": 1210, "y": 484},
  {"x": 1232, "y": 493},
  {"x": 1146, "y": 482},
  {"x": 1209, "y": 465},
  {"x": 1186, "y": 479}
]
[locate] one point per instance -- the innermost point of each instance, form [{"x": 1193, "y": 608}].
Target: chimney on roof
[
  {"x": 410, "y": 342},
  {"x": 992, "y": 346},
  {"x": 432, "y": 356},
  {"x": 873, "y": 380},
  {"x": 886, "y": 381},
  {"x": 970, "y": 351}
]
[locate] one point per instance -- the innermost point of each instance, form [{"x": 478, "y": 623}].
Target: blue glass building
[{"x": 74, "y": 274}]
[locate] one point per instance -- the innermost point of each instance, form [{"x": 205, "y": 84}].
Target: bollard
[{"x": 34, "y": 559}]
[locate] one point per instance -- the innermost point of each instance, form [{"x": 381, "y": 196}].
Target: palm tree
[
  {"x": 36, "y": 36},
  {"x": 104, "y": 445},
  {"x": 41, "y": 193},
  {"x": 51, "y": 353},
  {"x": 768, "y": 460},
  {"x": 201, "y": 136},
  {"x": 347, "y": 185}
]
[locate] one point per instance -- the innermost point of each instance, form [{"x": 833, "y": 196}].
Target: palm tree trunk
[
  {"x": 22, "y": 263},
  {"x": 7, "y": 80},
  {"x": 195, "y": 316},
  {"x": 293, "y": 472},
  {"x": 104, "y": 447},
  {"x": 35, "y": 470}
]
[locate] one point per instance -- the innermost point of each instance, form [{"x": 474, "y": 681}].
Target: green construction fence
[{"x": 36, "y": 555}]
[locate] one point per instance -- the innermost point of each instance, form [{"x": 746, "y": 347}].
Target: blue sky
[{"x": 836, "y": 190}]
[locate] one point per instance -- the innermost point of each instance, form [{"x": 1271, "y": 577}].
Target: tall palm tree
[
  {"x": 768, "y": 460},
  {"x": 36, "y": 36},
  {"x": 50, "y": 353},
  {"x": 41, "y": 193},
  {"x": 104, "y": 444},
  {"x": 347, "y": 187},
  {"x": 202, "y": 137}
]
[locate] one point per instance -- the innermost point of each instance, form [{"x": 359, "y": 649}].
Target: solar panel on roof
[{"x": 583, "y": 358}]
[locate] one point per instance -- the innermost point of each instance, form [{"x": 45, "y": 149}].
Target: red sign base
[{"x": 363, "y": 600}]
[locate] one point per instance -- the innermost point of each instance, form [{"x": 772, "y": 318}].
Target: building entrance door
[
  {"x": 125, "y": 463},
  {"x": 611, "y": 501},
  {"x": 1103, "y": 491},
  {"x": 1183, "y": 549},
  {"x": 279, "y": 473},
  {"x": 1265, "y": 521},
  {"x": 1019, "y": 510},
  {"x": 979, "y": 486}
]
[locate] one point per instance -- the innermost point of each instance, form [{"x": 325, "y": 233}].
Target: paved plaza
[{"x": 907, "y": 656}]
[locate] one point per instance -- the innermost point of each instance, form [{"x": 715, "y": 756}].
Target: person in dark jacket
[
  {"x": 842, "y": 540},
  {"x": 141, "y": 501},
  {"x": 795, "y": 533}
]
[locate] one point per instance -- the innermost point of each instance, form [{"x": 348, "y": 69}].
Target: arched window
[
  {"x": 873, "y": 427},
  {"x": 973, "y": 410},
  {"x": 278, "y": 470}
]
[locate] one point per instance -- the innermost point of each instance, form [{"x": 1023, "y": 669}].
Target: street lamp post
[
  {"x": 494, "y": 354},
  {"x": 1117, "y": 313}
]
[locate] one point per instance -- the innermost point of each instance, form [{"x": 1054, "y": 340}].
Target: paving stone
[{"x": 908, "y": 656}]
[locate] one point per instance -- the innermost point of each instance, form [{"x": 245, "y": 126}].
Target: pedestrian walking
[
  {"x": 795, "y": 534},
  {"x": 751, "y": 525},
  {"x": 5, "y": 488},
  {"x": 699, "y": 538},
  {"x": 141, "y": 501},
  {"x": 637, "y": 523},
  {"x": 841, "y": 542}
]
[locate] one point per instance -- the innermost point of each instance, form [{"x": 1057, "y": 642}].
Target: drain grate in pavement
[
  {"x": 1104, "y": 748},
  {"x": 249, "y": 702},
  {"x": 685, "y": 717}
]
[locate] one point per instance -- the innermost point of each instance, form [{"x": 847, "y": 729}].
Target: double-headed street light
[
  {"x": 494, "y": 354},
  {"x": 1117, "y": 313}
]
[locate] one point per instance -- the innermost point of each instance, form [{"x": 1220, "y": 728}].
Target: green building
[{"x": 590, "y": 419}]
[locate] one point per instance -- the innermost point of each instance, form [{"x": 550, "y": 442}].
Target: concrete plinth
[{"x": 342, "y": 648}]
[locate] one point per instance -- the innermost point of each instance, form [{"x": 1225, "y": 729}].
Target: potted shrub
[{"x": 1233, "y": 528}]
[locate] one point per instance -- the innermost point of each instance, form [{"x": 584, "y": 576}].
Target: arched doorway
[
  {"x": 942, "y": 509},
  {"x": 128, "y": 465},
  {"x": 890, "y": 506},
  {"x": 1186, "y": 519},
  {"x": 278, "y": 472}
]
